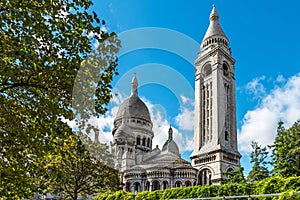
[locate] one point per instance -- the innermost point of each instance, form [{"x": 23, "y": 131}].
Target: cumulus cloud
[
  {"x": 280, "y": 78},
  {"x": 281, "y": 103},
  {"x": 256, "y": 87},
  {"x": 185, "y": 119},
  {"x": 161, "y": 126}
]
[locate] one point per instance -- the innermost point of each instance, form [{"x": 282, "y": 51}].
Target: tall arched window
[
  {"x": 165, "y": 185},
  {"x": 138, "y": 140},
  {"x": 178, "y": 184},
  {"x": 137, "y": 186},
  {"x": 155, "y": 185},
  {"x": 204, "y": 177},
  {"x": 148, "y": 142},
  {"x": 225, "y": 69}
]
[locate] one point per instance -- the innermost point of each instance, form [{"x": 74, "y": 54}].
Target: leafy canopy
[
  {"x": 286, "y": 148},
  {"x": 44, "y": 46},
  {"x": 258, "y": 157},
  {"x": 73, "y": 172}
]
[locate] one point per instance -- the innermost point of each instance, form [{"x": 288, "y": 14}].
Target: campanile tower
[{"x": 215, "y": 132}]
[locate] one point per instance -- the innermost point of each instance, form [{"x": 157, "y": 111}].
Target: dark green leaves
[
  {"x": 259, "y": 169},
  {"x": 286, "y": 148},
  {"x": 42, "y": 47}
]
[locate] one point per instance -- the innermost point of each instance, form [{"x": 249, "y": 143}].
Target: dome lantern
[{"x": 134, "y": 86}]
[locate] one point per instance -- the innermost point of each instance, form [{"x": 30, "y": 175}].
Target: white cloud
[
  {"x": 105, "y": 122},
  {"x": 282, "y": 103},
  {"x": 256, "y": 87},
  {"x": 185, "y": 119},
  {"x": 280, "y": 78}
]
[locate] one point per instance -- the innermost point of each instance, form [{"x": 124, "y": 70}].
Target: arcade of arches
[{"x": 203, "y": 177}]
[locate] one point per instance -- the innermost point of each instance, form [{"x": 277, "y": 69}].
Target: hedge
[{"x": 287, "y": 186}]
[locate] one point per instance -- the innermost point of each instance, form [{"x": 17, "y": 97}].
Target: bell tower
[{"x": 215, "y": 132}]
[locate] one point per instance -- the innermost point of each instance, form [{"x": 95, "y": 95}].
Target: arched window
[
  {"x": 178, "y": 184},
  {"x": 207, "y": 69},
  {"x": 138, "y": 140},
  {"x": 165, "y": 185},
  {"x": 147, "y": 186},
  {"x": 144, "y": 142},
  {"x": 225, "y": 69},
  {"x": 204, "y": 177},
  {"x": 229, "y": 169},
  {"x": 155, "y": 185},
  {"x": 188, "y": 183},
  {"x": 137, "y": 186},
  {"x": 226, "y": 135},
  {"x": 148, "y": 142}
]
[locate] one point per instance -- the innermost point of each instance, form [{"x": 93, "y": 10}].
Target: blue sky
[{"x": 264, "y": 38}]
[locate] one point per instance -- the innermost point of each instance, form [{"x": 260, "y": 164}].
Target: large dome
[{"x": 135, "y": 108}]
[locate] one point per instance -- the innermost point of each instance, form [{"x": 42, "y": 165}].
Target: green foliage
[
  {"x": 234, "y": 176},
  {"x": 44, "y": 44},
  {"x": 258, "y": 157},
  {"x": 286, "y": 148},
  {"x": 72, "y": 171},
  {"x": 142, "y": 195},
  {"x": 287, "y": 186},
  {"x": 115, "y": 196}
]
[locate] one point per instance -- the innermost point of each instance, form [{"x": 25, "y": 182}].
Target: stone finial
[
  {"x": 214, "y": 15},
  {"x": 170, "y": 133},
  {"x": 134, "y": 86}
]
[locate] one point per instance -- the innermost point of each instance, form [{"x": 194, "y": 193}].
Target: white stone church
[{"x": 143, "y": 167}]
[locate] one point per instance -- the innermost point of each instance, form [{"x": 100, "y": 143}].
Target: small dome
[
  {"x": 171, "y": 146},
  {"x": 123, "y": 131}
]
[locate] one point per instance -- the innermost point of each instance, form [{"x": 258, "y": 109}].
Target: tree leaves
[
  {"x": 258, "y": 156},
  {"x": 42, "y": 47},
  {"x": 286, "y": 156},
  {"x": 73, "y": 171},
  {"x": 234, "y": 176}
]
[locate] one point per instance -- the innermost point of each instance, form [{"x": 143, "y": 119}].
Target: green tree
[
  {"x": 258, "y": 157},
  {"x": 73, "y": 172},
  {"x": 285, "y": 150},
  {"x": 234, "y": 176},
  {"x": 44, "y": 46}
]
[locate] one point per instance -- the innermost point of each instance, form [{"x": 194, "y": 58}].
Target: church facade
[
  {"x": 141, "y": 167},
  {"x": 215, "y": 136}
]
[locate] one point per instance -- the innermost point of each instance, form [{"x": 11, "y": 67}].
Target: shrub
[{"x": 287, "y": 186}]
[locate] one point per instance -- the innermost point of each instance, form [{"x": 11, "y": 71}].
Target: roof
[
  {"x": 214, "y": 28},
  {"x": 135, "y": 107},
  {"x": 171, "y": 146}
]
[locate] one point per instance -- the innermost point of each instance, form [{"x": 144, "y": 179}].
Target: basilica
[{"x": 144, "y": 167}]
